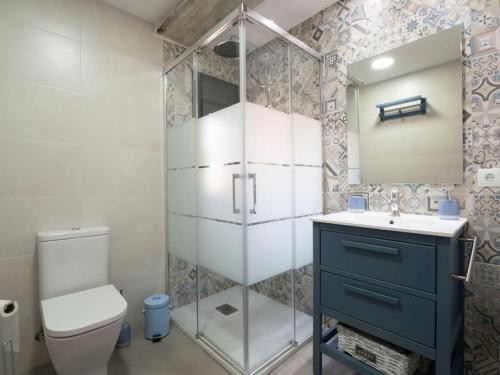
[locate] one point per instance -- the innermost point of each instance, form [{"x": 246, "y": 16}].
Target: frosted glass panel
[
  {"x": 270, "y": 327},
  {"x": 269, "y": 250},
  {"x": 181, "y": 193},
  {"x": 181, "y": 145},
  {"x": 268, "y": 135},
  {"x": 215, "y": 197},
  {"x": 308, "y": 190},
  {"x": 220, "y": 136},
  {"x": 274, "y": 192},
  {"x": 181, "y": 185},
  {"x": 181, "y": 238},
  {"x": 220, "y": 248},
  {"x": 307, "y": 135},
  {"x": 303, "y": 241}
]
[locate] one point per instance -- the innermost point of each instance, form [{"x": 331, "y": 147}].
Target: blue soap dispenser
[
  {"x": 356, "y": 203},
  {"x": 448, "y": 208}
]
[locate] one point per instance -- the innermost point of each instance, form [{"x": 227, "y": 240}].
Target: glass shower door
[
  {"x": 269, "y": 195},
  {"x": 307, "y": 155},
  {"x": 181, "y": 202},
  {"x": 243, "y": 179},
  {"x": 221, "y": 179}
]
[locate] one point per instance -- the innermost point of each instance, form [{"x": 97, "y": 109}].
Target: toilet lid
[{"x": 80, "y": 312}]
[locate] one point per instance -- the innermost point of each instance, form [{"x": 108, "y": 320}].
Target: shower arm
[{"x": 263, "y": 86}]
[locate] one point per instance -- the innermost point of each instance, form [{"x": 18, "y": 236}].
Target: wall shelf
[{"x": 417, "y": 105}]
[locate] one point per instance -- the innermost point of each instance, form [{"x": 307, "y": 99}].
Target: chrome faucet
[{"x": 394, "y": 205}]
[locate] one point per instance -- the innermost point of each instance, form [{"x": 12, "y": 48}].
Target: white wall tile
[
  {"x": 35, "y": 55},
  {"x": 140, "y": 116},
  {"x": 37, "y": 112},
  {"x": 128, "y": 216},
  {"x": 57, "y": 16},
  {"x": 71, "y": 158},
  {"x": 105, "y": 69},
  {"x": 106, "y": 25},
  {"x": 109, "y": 170},
  {"x": 18, "y": 278},
  {"x": 14, "y": 12},
  {"x": 22, "y": 218},
  {"x": 31, "y": 168},
  {"x": 136, "y": 260},
  {"x": 131, "y": 118},
  {"x": 32, "y": 353}
]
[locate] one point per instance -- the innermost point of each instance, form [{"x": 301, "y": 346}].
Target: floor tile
[{"x": 178, "y": 354}]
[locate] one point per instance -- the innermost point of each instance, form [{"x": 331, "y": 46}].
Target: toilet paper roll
[{"x": 9, "y": 323}]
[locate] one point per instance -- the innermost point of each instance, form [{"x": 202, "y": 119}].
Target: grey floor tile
[
  {"x": 178, "y": 354},
  {"x": 301, "y": 364}
]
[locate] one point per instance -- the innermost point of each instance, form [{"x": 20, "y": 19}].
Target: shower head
[{"x": 229, "y": 49}]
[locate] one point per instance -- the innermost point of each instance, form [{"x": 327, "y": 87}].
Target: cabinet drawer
[
  {"x": 402, "y": 263},
  {"x": 402, "y": 314}
]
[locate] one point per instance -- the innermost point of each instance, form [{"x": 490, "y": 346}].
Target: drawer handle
[
  {"x": 369, "y": 294},
  {"x": 371, "y": 248}
]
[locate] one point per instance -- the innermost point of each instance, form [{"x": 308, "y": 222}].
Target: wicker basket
[{"x": 383, "y": 356}]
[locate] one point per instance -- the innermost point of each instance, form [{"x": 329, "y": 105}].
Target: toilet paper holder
[{"x": 6, "y": 348}]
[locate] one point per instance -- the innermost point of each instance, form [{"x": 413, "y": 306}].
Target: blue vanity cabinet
[{"x": 393, "y": 285}]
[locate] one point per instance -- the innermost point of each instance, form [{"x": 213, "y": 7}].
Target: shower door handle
[
  {"x": 253, "y": 176},
  {"x": 235, "y": 177}
]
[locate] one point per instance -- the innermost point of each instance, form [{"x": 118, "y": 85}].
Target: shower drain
[{"x": 226, "y": 309}]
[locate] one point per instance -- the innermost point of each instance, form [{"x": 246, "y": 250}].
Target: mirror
[{"x": 404, "y": 113}]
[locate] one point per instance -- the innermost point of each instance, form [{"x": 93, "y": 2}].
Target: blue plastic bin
[{"x": 156, "y": 317}]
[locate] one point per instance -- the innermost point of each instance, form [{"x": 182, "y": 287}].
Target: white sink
[{"x": 409, "y": 223}]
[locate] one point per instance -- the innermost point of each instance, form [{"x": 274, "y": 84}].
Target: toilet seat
[{"x": 76, "y": 313}]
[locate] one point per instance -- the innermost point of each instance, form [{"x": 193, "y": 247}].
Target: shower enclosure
[{"x": 243, "y": 178}]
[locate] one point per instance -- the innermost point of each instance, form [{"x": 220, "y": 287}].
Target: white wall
[{"x": 80, "y": 145}]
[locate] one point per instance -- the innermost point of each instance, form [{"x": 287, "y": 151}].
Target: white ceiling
[
  {"x": 289, "y": 13},
  {"x": 285, "y": 13},
  {"x": 153, "y": 11}
]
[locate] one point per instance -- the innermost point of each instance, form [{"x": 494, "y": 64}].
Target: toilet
[{"x": 82, "y": 313}]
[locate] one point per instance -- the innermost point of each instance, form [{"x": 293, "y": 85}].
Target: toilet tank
[{"x": 72, "y": 260}]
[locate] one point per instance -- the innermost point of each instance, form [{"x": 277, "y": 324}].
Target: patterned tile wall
[
  {"x": 182, "y": 278},
  {"x": 268, "y": 66},
  {"x": 351, "y": 30},
  {"x": 179, "y": 83}
]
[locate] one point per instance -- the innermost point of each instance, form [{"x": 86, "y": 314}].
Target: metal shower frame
[{"x": 236, "y": 18}]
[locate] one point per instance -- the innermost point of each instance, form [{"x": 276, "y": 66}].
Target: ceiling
[
  {"x": 289, "y": 13},
  {"x": 186, "y": 21},
  {"x": 153, "y": 11}
]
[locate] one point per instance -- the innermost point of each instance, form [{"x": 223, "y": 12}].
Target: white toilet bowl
[{"x": 81, "y": 329}]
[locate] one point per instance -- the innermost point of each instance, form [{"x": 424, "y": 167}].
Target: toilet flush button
[{"x": 488, "y": 177}]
